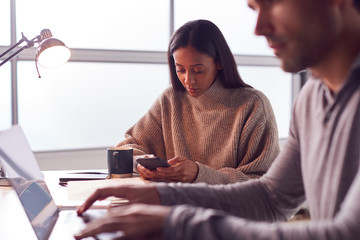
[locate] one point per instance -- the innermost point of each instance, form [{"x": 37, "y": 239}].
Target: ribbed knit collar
[{"x": 211, "y": 98}]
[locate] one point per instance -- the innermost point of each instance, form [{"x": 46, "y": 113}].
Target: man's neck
[{"x": 335, "y": 67}]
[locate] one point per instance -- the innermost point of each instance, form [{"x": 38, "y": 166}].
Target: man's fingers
[
  {"x": 99, "y": 194},
  {"x": 137, "y": 221},
  {"x": 108, "y": 224}
]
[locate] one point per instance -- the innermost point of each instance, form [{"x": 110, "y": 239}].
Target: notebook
[{"x": 23, "y": 172}]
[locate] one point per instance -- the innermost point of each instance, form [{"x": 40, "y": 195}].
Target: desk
[
  {"x": 14, "y": 224},
  {"x": 58, "y": 192}
]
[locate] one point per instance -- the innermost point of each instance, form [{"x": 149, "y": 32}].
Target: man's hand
[
  {"x": 134, "y": 193},
  {"x": 137, "y": 221}
]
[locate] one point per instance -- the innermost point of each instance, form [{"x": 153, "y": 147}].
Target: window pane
[
  {"x": 5, "y": 97},
  {"x": 84, "y": 105},
  {"x": 276, "y": 85},
  {"x": 234, "y": 18},
  {"x": 109, "y": 24},
  {"x": 5, "y": 22}
]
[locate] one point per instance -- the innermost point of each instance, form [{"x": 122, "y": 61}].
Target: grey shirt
[{"x": 319, "y": 163}]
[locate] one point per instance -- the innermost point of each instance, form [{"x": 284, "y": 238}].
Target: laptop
[{"x": 23, "y": 172}]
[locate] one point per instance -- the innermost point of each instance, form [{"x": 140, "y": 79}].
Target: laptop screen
[{"x": 23, "y": 172}]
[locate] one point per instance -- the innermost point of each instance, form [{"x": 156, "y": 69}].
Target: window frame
[{"x": 50, "y": 159}]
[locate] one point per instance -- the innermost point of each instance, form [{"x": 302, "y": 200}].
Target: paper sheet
[{"x": 81, "y": 190}]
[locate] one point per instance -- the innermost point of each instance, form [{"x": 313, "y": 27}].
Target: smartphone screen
[{"x": 152, "y": 163}]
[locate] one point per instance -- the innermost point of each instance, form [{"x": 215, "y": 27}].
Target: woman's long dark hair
[{"x": 206, "y": 38}]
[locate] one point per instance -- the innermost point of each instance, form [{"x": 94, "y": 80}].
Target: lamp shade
[{"x": 52, "y": 53}]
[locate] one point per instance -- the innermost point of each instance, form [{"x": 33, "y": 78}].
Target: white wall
[{"x": 73, "y": 160}]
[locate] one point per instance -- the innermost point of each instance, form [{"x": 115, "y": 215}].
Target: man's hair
[{"x": 357, "y": 5}]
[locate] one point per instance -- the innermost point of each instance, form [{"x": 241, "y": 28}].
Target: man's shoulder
[{"x": 312, "y": 88}]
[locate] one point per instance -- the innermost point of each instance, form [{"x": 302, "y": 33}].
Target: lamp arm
[
  {"x": 13, "y": 55},
  {"x": 12, "y": 47},
  {"x": 23, "y": 39}
]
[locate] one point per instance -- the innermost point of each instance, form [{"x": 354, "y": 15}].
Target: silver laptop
[{"x": 23, "y": 172}]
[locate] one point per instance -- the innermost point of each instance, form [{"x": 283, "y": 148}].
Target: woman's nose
[{"x": 189, "y": 79}]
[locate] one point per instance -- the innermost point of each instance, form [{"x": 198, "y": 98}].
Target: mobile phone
[{"x": 152, "y": 162}]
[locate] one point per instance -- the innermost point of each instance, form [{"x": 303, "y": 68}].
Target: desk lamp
[{"x": 50, "y": 53}]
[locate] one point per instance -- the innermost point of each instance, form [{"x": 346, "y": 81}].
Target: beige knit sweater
[{"x": 230, "y": 133}]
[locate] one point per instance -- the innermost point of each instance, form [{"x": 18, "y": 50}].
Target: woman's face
[{"x": 196, "y": 71}]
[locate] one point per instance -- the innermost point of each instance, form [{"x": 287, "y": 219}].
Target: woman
[{"x": 210, "y": 125}]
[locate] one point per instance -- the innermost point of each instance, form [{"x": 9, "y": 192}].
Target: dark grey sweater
[{"x": 319, "y": 163}]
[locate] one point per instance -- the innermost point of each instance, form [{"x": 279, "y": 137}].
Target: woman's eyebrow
[{"x": 195, "y": 65}]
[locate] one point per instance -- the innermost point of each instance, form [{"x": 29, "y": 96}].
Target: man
[{"x": 319, "y": 162}]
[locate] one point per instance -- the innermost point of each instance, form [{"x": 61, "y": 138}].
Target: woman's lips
[{"x": 192, "y": 90}]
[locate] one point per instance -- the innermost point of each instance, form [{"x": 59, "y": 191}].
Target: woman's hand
[
  {"x": 134, "y": 193},
  {"x": 180, "y": 170},
  {"x": 137, "y": 221}
]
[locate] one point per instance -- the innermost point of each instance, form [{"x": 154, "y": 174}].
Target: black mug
[{"x": 120, "y": 162}]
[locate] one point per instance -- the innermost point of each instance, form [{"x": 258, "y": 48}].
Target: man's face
[{"x": 301, "y": 32}]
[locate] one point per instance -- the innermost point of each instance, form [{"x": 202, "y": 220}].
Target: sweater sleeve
[
  {"x": 273, "y": 197},
  {"x": 258, "y": 146},
  {"x": 233, "y": 211},
  {"x": 189, "y": 222},
  {"x": 145, "y": 136}
]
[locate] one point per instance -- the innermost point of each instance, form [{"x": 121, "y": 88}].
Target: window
[
  {"x": 4, "y": 23},
  {"x": 234, "y": 18},
  {"x": 85, "y": 105},
  {"x": 277, "y": 88},
  {"x": 118, "y": 66},
  {"x": 108, "y": 24},
  {"x": 5, "y": 89},
  {"x": 5, "y": 97}
]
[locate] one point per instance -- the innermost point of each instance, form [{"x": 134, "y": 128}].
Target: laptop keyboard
[{"x": 74, "y": 223}]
